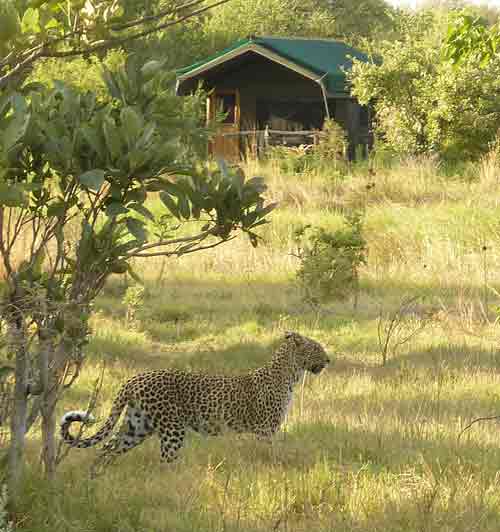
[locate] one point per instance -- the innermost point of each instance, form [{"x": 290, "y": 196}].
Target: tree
[
  {"x": 470, "y": 39},
  {"x": 74, "y": 183},
  {"x": 356, "y": 21},
  {"x": 240, "y": 18},
  {"x": 396, "y": 81},
  {"x": 76, "y": 170},
  {"x": 425, "y": 105}
]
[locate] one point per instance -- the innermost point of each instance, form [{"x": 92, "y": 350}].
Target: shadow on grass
[
  {"x": 185, "y": 301},
  {"x": 435, "y": 360}
]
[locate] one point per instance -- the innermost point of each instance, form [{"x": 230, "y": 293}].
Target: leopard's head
[{"x": 309, "y": 355}]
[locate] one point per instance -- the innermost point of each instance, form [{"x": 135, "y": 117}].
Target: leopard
[{"x": 170, "y": 402}]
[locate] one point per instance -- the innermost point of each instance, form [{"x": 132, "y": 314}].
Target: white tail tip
[{"x": 77, "y": 415}]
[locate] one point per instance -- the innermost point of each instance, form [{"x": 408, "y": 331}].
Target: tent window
[
  {"x": 226, "y": 103},
  {"x": 291, "y": 115}
]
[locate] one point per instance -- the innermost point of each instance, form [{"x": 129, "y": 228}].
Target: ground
[{"x": 365, "y": 447}]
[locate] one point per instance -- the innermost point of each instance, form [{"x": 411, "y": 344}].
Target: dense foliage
[{"x": 423, "y": 103}]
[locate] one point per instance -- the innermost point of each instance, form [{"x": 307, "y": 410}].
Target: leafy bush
[
  {"x": 333, "y": 142},
  {"x": 425, "y": 104},
  {"x": 134, "y": 301},
  {"x": 290, "y": 160},
  {"x": 330, "y": 260},
  {"x": 329, "y": 151}
]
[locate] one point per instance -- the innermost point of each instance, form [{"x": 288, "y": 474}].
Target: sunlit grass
[{"x": 364, "y": 447}]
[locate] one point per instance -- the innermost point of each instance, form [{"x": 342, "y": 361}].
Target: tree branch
[
  {"x": 181, "y": 240},
  {"x": 173, "y": 253},
  {"x": 44, "y": 49},
  {"x": 111, "y": 43},
  {"x": 151, "y": 18}
]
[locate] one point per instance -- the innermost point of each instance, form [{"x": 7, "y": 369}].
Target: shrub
[
  {"x": 330, "y": 260},
  {"x": 134, "y": 301},
  {"x": 333, "y": 143}
]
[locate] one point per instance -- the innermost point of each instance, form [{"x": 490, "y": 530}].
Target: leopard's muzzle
[{"x": 318, "y": 368}]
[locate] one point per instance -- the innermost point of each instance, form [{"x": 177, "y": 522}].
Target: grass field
[{"x": 365, "y": 447}]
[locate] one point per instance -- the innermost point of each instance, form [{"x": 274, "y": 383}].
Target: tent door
[{"x": 226, "y": 144}]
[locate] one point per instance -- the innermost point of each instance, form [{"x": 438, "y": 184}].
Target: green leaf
[
  {"x": 196, "y": 211},
  {"x": 155, "y": 185},
  {"x": 38, "y": 264},
  {"x": 184, "y": 207},
  {"x": 136, "y": 227},
  {"x": 146, "y": 135},
  {"x": 16, "y": 129},
  {"x": 119, "y": 267},
  {"x": 238, "y": 181},
  {"x": 92, "y": 179},
  {"x": 137, "y": 195},
  {"x": 52, "y": 23},
  {"x": 115, "y": 208},
  {"x": 171, "y": 188},
  {"x": 5, "y": 371},
  {"x": 112, "y": 136},
  {"x": 151, "y": 68},
  {"x": 110, "y": 81},
  {"x": 169, "y": 203},
  {"x": 92, "y": 137},
  {"x": 257, "y": 184},
  {"x": 133, "y": 124},
  {"x": 56, "y": 208},
  {"x": 31, "y": 21},
  {"x": 141, "y": 210}
]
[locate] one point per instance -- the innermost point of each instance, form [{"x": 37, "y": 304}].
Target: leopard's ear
[{"x": 291, "y": 335}]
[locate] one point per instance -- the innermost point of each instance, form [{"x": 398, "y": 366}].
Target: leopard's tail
[{"x": 86, "y": 418}]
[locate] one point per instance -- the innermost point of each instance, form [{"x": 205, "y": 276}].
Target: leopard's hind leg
[{"x": 135, "y": 428}]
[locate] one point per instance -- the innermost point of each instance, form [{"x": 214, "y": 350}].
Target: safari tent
[{"x": 278, "y": 90}]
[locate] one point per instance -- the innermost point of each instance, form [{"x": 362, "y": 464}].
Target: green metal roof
[{"x": 324, "y": 58}]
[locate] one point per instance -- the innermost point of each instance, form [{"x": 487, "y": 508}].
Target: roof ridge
[{"x": 298, "y": 38}]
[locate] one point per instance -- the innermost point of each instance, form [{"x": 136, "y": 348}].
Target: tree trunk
[
  {"x": 49, "y": 452},
  {"x": 49, "y": 388},
  {"x": 19, "y": 410}
]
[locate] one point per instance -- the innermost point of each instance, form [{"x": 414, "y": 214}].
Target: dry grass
[{"x": 365, "y": 447}]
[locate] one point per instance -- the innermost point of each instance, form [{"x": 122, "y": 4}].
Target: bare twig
[
  {"x": 474, "y": 421},
  {"x": 395, "y": 330}
]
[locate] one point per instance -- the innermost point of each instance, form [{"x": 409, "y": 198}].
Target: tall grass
[{"x": 364, "y": 447}]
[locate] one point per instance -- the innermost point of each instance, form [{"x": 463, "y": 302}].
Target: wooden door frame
[
  {"x": 211, "y": 110},
  {"x": 211, "y": 105}
]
